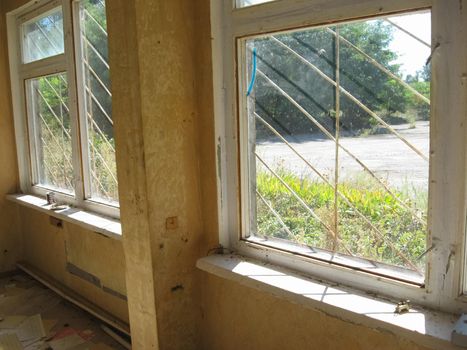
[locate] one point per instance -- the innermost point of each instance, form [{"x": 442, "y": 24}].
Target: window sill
[
  {"x": 89, "y": 220},
  {"x": 426, "y": 327}
]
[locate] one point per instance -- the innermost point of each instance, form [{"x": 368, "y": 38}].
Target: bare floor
[
  {"x": 385, "y": 155},
  {"x": 33, "y": 317}
]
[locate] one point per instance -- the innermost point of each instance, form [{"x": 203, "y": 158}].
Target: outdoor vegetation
[
  {"x": 52, "y": 111},
  {"x": 374, "y": 220}
]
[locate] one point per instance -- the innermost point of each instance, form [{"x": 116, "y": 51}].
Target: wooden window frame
[
  {"x": 445, "y": 286},
  {"x": 63, "y": 63}
]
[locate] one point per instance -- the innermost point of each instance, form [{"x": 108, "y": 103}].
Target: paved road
[{"x": 386, "y": 155}]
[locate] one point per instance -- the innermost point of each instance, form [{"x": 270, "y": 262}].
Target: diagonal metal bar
[
  {"x": 87, "y": 13},
  {"x": 377, "y": 232},
  {"x": 103, "y": 161},
  {"x": 54, "y": 45},
  {"x": 302, "y": 202},
  {"x": 56, "y": 161},
  {"x": 408, "y": 33},
  {"x": 99, "y": 105},
  {"x": 94, "y": 175},
  {"x": 343, "y": 196},
  {"x": 53, "y": 113},
  {"x": 381, "y": 67},
  {"x": 93, "y": 48},
  {"x": 353, "y": 98},
  {"x": 337, "y": 108},
  {"x": 275, "y": 213},
  {"x": 96, "y": 76},
  {"x": 57, "y": 94},
  {"x": 321, "y": 176},
  {"x": 52, "y": 175},
  {"x": 55, "y": 139},
  {"x": 100, "y": 132},
  {"x": 331, "y": 137}
]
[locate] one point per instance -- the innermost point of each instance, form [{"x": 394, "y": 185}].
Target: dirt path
[{"x": 386, "y": 155}]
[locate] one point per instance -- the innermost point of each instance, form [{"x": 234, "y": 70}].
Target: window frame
[
  {"x": 68, "y": 63},
  {"x": 444, "y": 281}
]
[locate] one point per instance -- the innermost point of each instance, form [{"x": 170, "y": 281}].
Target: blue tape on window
[{"x": 253, "y": 75}]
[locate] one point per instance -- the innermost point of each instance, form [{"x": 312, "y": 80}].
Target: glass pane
[
  {"x": 339, "y": 118},
  {"x": 98, "y": 102},
  {"x": 43, "y": 36},
  {"x": 245, "y": 3},
  {"x": 51, "y": 131}
]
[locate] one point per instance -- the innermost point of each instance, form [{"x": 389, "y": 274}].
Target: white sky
[{"x": 412, "y": 54}]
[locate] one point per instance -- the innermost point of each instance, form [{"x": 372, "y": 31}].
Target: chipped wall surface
[
  {"x": 160, "y": 59},
  {"x": 51, "y": 249},
  {"x": 173, "y": 160},
  {"x": 238, "y": 317},
  {"x": 10, "y": 237},
  {"x": 173, "y": 165}
]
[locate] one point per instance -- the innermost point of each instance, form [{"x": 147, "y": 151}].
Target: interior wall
[
  {"x": 170, "y": 201},
  {"x": 238, "y": 317},
  {"x": 10, "y": 237},
  {"x": 87, "y": 262},
  {"x": 163, "y": 109}
]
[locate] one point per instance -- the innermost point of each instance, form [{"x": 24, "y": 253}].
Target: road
[{"x": 385, "y": 155}]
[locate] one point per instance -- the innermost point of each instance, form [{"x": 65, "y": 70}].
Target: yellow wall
[
  {"x": 160, "y": 58},
  {"x": 50, "y": 248},
  {"x": 27, "y": 235},
  {"x": 166, "y": 150},
  {"x": 238, "y": 317},
  {"x": 10, "y": 238}
]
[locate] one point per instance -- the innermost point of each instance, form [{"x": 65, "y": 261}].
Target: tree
[{"x": 362, "y": 79}]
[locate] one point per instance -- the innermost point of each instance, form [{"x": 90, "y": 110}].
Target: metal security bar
[
  {"x": 334, "y": 184},
  {"x": 101, "y": 150}
]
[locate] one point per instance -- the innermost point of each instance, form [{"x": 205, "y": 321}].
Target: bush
[{"x": 393, "y": 220}]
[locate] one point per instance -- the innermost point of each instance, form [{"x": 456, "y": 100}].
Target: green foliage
[
  {"x": 53, "y": 117},
  {"x": 361, "y": 78},
  {"x": 397, "y": 224}
]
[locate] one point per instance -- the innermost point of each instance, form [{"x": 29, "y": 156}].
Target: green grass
[{"x": 398, "y": 225}]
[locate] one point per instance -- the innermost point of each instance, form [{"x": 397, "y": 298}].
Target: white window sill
[
  {"x": 91, "y": 221},
  {"x": 426, "y": 327}
]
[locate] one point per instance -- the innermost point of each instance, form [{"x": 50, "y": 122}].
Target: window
[
  {"x": 63, "y": 102},
  {"x": 325, "y": 131}
]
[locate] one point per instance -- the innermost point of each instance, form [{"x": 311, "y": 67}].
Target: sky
[{"x": 412, "y": 54}]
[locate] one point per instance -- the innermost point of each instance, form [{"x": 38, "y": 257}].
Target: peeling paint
[{"x": 75, "y": 270}]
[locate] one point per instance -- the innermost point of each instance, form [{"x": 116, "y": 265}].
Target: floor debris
[{"x": 32, "y": 317}]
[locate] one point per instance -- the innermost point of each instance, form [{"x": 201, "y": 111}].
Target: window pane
[
  {"x": 245, "y": 3},
  {"x": 98, "y": 102},
  {"x": 339, "y": 118},
  {"x": 51, "y": 131},
  {"x": 43, "y": 36}
]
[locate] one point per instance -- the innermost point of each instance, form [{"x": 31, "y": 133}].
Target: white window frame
[
  {"x": 68, "y": 63},
  {"x": 444, "y": 287}
]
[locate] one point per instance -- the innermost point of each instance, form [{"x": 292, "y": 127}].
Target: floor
[{"x": 32, "y": 317}]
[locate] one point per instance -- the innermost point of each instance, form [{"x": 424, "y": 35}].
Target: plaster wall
[
  {"x": 238, "y": 317},
  {"x": 28, "y": 235},
  {"x": 51, "y": 249},
  {"x": 10, "y": 237},
  {"x": 165, "y": 135},
  {"x": 160, "y": 57}
]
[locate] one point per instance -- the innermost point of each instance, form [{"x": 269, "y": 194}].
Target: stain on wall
[
  {"x": 10, "y": 235},
  {"x": 238, "y": 317},
  {"x": 50, "y": 249},
  {"x": 166, "y": 159},
  {"x": 96, "y": 255}
]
